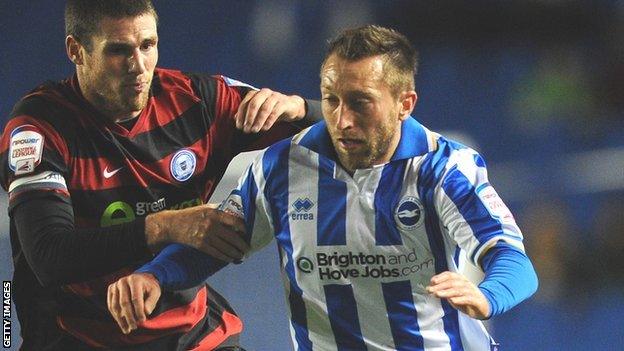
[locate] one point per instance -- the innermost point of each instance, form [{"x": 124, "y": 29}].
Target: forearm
[
  {"x": 59, "y": 254},
  {"x": 509, "y": 277},
  {"x": 179, "y": 266}
]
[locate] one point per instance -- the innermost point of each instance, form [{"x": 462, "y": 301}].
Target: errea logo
[{"x": 302, "y": 208}]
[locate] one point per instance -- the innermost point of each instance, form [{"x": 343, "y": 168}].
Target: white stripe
[
  {"x": 44, "y": 177},
  {"x": 303, "y": 179},
  {"x": 473, "y": 334},
  {"x": 263, "y": 229},
  {"x": 360, "y": 226},
  {"x": 373, "y": 316},
  {"x": 430, "y": 322}
]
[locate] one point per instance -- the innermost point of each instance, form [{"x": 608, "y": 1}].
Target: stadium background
[{"x": 536, "y": 86}]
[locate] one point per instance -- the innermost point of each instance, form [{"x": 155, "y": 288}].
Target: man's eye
[
  {"x": 147, "y": 46},
  {"x": 359, "y": 103},
  {"x": 330, "y": 99},
  {"x": 118, "y": 50}
]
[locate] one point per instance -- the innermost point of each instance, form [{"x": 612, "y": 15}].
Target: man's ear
[
  {"x": 74, "y": 50},
  {"x": 407, "y": 99}
]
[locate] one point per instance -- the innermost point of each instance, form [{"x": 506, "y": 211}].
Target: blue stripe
[
  {"x": 249, "y": 192},
  {"x": 386, "y": 199},
  {"x": 402, "y": 315},
  {"x": 332, "y": 206},
  {"x": 429, "y": 175},
  {"x": 275, "y": 168},
  {"x": 464, "y": 195},
  {"x": 317, "y": 139},
  {"x": 343, "y": 317},
  {"x": 413, "y": 140}
]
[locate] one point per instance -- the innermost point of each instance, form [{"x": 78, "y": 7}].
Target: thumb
[{"x": 151, "y": 300}]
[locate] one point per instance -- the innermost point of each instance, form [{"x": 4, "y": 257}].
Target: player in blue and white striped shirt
[{"x": 372, "y": 214}]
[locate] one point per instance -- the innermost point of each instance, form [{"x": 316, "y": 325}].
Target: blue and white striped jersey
[{"x": 357, "y": 251}]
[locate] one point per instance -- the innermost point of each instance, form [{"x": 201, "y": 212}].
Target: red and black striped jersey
[{"x": 56, "y": 144}]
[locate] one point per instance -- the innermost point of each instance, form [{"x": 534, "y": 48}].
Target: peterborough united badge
[{"x": 183, "y": 165}]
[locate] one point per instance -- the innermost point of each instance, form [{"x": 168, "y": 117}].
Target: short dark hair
[
  {"x": 401, "y": 57},
  {"x": 82, "y": 17}
]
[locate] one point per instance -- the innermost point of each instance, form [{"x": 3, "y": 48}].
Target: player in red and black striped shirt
[{"x": 92, "y": 163}]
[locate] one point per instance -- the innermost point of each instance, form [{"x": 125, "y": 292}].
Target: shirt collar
[{"x": 413, "y": 140}]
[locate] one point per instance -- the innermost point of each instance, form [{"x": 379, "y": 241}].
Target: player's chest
[{"x": 368, "y": 227}]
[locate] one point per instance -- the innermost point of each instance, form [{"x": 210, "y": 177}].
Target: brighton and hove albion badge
[
  {"x": 183, "y": 165},
  {"x": 409, "y": 214}
]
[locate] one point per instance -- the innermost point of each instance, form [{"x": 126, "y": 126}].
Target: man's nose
[
  {"x": 345, "y": 117},
  {"x": 136, "y": 62}
]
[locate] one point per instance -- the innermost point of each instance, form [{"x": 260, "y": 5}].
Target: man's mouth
[
  {"x": 137, "y": 87},
  {"x": 350, "y": 143}
]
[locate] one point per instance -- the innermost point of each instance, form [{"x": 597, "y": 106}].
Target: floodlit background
[{"x": 536, "y": 86}]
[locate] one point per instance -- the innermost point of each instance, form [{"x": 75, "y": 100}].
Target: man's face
[
  {"x": 363, "y": 116},
  {"x": 117, "y": 73}
]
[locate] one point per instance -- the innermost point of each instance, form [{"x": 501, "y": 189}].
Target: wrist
[
  {"x": 302, "y": 110},
  {"x": 156, "y": 233}
]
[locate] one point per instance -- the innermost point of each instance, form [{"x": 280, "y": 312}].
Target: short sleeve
[
  {"x": 247, "y": 201},
  {"x": 470, "y": 209}
]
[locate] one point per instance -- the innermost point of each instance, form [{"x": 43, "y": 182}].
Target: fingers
[
  {"x": 151, "y": 300},
  {"x": 136, "y": 300},
  {"x": 115, "y": 291},
  {"x": 461, "y": 293},
  {"x": 126, "y": 306},
  {"x": 131, "y": 299},
  {"x": 447, "y": 285},
  {"x": 242, "y": 109},
  {"x": 259, "y": 110},
  {"x": 233, "y": 222}
]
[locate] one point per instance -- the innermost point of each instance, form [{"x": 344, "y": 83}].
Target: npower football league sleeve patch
[{"x": 25, "y": 149}]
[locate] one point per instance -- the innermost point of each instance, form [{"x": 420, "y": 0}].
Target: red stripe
[
  {"x": 106, "y": 333},
  {"x": 231, "y": 325}
]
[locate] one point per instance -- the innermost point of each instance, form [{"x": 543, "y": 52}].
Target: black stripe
[{"x": 96, "y": 201}]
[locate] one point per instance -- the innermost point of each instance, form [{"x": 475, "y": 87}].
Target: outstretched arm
[{"x": 132, "y": 298}]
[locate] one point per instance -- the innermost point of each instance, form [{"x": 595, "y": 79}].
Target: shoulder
[
  {"x": 50, "y": 107},
  {"x": 449, "y": 155}
]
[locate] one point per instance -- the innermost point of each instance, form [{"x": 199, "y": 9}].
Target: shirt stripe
[
  {"x": 429, "y": 175},
  {"x": 402, "y": 315},
  {"x": 386, "y": 199},
  {"x": 332, "y": 206},
  {"x": 343, "y": 316},
  {"x": 275, "y": 168}
]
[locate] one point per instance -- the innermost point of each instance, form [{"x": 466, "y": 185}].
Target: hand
[
  {"x": 461, "y": 293},
  {"x": 205, "y": 228},
  {"x": 132, "y": 298},
  {"x": 260, "y": 109}
]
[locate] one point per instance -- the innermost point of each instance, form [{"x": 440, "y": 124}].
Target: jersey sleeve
[
  {"x": 34, "y": 160},
  {"x": 248, "y": 202},
  {"x": 471, "y": 211}
]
